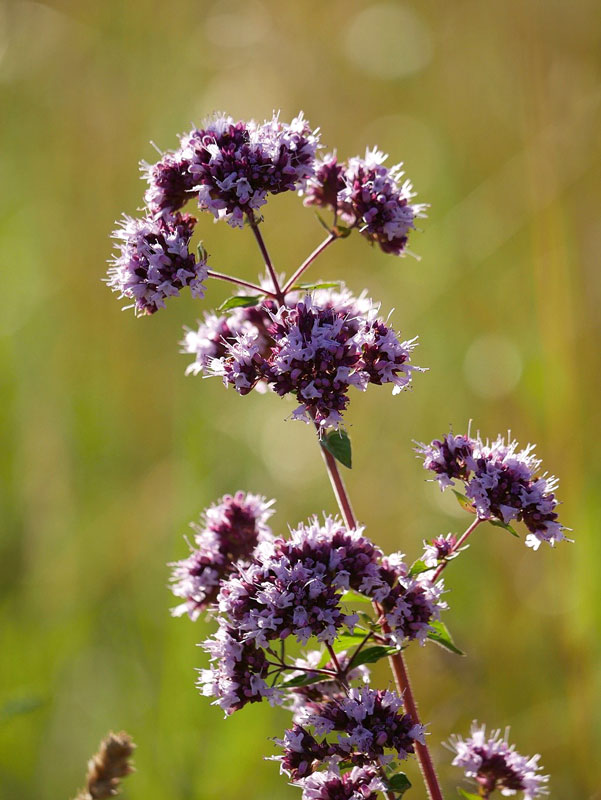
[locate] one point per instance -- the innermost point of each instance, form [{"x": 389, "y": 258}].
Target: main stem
[{"x": 397, "y": 662}]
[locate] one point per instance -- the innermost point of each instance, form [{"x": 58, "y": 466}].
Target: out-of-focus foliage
[{"x": 108, "y": 450}]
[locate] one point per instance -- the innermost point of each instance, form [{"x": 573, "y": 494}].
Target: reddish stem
[
  {"x": 471, "y": 528},
  {"x": 230, "y": 278},
  {"x": 309, "y": 260},
  {"x": 266, "y": 257},
  {"x": 397, "y": 662}
]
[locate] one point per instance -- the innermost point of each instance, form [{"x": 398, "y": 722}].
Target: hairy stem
[
  {"x": 238, "y": 281},
  {"x": 266, "y": 257},
  {"x": 397, "y": 662},
  {"x": 459, "y": 544},
  {"x": 309, "y": 260}
]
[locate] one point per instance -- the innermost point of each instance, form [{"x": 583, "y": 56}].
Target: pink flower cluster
[
  {"x": 501, "y": 481},
  {"x": 366, "y": 195},
  {"x": 314, "y": 350}
]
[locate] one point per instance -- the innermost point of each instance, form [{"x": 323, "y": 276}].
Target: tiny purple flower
[
  {"x": 441, "y": 548},
  {"x": 153, "y": 261},
  {"x": 494, "y": 764}
]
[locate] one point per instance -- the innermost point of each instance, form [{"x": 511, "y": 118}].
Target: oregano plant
[{"x": 300, "y": 618}]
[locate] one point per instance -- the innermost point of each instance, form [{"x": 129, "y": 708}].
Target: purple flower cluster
[
  {"x": 231, "y": 166},
  {"x": 238, "y": 674},
  {"x": 369, "y": 196},
  {"x": 316, "y": 353},
  {"x": 359, "y": 783},
  {"x": 441, "y": 548},
  {"x": 368, "y": 725},
  {"x": 294, "y": 587},
  {"x": 494, "y": 764},
  {"x": 153, "y": 261},
  {"x": 229, "y": 532},
  {"x": 502, "y": 482}
]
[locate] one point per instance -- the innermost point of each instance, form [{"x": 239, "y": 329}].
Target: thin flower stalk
[{"x": 460, "y": 542}]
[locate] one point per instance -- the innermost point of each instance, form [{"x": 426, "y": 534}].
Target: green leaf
[
  {"x": 347, "y": 640},
  {"x": 499, "y": 524},
  {"x": 240, "y": 301},
  {"x": 351, "y": 596},
  {"x": 441, "y": 636},
  {"x": 339, "y": 445},
  {"x": 417, "y": 568},
  {"x": 463, "y": 501},
  {"x": 399, "y": 783},
  {"x": 342, "y": 231},
  {"x": 309, "y": 287},
  {"x": 303, "y": 680},
  {"x": 469, "y": 795},
  {"x": 369, "y": 655}
]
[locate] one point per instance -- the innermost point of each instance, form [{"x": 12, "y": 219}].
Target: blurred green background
[{"x": 108, "y": 450}]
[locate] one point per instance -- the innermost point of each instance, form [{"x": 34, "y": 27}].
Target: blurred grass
[{"x": 108, "y": 451}]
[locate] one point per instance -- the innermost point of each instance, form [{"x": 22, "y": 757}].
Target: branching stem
[
  {"x": 309, "y": 260},
  {"x": 277, "y": 291},
  {"x": 230, "y": 278}
]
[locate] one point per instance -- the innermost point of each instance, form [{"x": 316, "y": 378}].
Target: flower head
[
  {"x": 238, "y": 672},
  {"x": 170, "y": 184},
  {"x": 380, "y": 204},
  {"x": 235, "y": 165},
  {"x": 368, "y": 723},
  {"x": 441, "y": 548},
  {"x": 318, "y": 349},
  {"x": 359, "y": 783},
  {"x": 503, "y": 482},
  {"x": 494, "y": 764},
  {"x": 294, "y": 587},
  {"x": 229, "y": 532},
  {"x": 324, "y": 187},
  {"x": 153, "y": 261},
  {"x": 302, "y": 752}
]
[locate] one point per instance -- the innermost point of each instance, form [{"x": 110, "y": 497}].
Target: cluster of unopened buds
[{"x": 325, "y": 586}]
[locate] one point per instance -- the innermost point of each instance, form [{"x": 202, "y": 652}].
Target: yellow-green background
[{"x": 108, "y": 450}]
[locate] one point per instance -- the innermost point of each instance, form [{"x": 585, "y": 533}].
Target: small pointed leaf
[
  {"x": 309, "y": 287},
  {"x": 370, "y": 655},
  {"x": 339, "y": 445},
  {"x": 399, "y": 783},
  {"x": 240, "y": 301},
  {"x": 441, "y": 636},
  {"x": 303, "y": 680},
  {"x": 468, "y": 795},
  {"x": 464, "y": 502},
  {"x": 499, "y": 524},
  {"x": 417, "y": 568}
]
